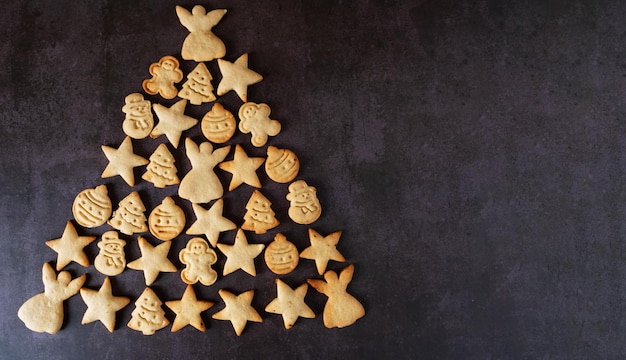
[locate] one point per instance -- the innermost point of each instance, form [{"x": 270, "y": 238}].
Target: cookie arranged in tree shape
[
  {"x": 281, "y": 255},
  {"x": 218, "y": 125},
  {"x": 172, "y": 121},
  {"x": 188, "y": 310},
  {"x": 167, "y": 220},
  {"x": 211, "y": 222},
  {"x": 153, "y": 260},
  {"x": 198, "y": 89},
  {"x": 129, "y": 217},
  {"x": 92, "y": 207},
  {"x": 322, "y": 249},
  {"x": 237, "y": 76},
  {"x": 139, "y": 121},
  {"x": 44, "y": 312},
  {"x": 102, "y": 305},
  {"x": 201, "y": 44},
  {"x": 148, "y": 316},
  {"x": 161, "y": 170},
  {"x": 238, "y": 309},
  {"x": 304, "y": 206},
  {"x": 290, "y": 303},
  {"x": 198, "y": 257},
  {"x": 69, "y": 247},
  {"x": 122, "y": 161},
  {"x": 240, "y": 255},
  {"x": 111, "y": 260},
  {"x": 259, "y": 216},
  {"x": 165, "y": 74},
  {"x": 201, "y": 184},
  {"x": 255, "y": 119},
  {"x": 243, "y": 169},
  {"x": 282, "y": 165}
]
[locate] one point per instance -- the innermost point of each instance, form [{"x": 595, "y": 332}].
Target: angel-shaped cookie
[
  {"x": 201, "y": 44},
  {"x": 201, "y": 184},
  {"x": 341, "y": 309}
]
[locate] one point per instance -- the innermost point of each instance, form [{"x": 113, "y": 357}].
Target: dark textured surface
[{"x": 472, "y": 152}]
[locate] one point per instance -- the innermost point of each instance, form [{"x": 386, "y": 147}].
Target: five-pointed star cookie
[
  {"x": 188, "y": 310},
  {"x": 172, "y": 121},
  {"x": 240, "y": 255},
  {"x": 322, "y": 249},
  {"x": 122, "y": 161},
  {"x": 102, "y": 305},
  {"x": 236, "y": 76},
  {"x": 238, "y": 309},
  {"x": 243, "y": 169},
  {"x": 69, "y": 247},
  {"x": 290, "y": 303},
  {"x": 153, "y": 260},
  {"x": 210, "y": 222}
]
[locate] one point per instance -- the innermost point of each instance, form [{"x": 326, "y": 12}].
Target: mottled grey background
[{"x": 471, "y": 151}]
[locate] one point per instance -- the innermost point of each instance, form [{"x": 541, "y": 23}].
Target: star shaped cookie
[
  {"x": 236, "y": 76},
  {"x": 102, "y": 305},
  {"x": 188, "y": 310},
  {"x": 153, "y": 260},
  {"x": 122, "y": 161},
  {"x": 290, "y": 303},
  {"x": 238, "y": 309},
  {"x": 210, "y": 222},
  {"x": 322, "y": 249},
  {"x": 172, "y": 121},
  {"x": 69, "y": 247},
  {"x": 243, "y": 169},
  {"x": 240, "y": 255}
]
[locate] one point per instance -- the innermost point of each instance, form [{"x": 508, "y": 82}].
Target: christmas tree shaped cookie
[
  {"x": 198, "y": 89},
  {"x": 148, "y": 316},
  {"x": 161, "y": 170},
  {"x": 129, "y": 218},
  {"x": 259, "y": 216}
]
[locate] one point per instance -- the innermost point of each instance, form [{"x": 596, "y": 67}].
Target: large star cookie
[
  {"x": 290, "y": 303},
  {"x": 238, "y": 309},
  {"x": 69, "y": 247},
  {"x": 243, "y": 169},
  {"x": 322, "y": 249},
  {"x": 240, "y": 255},
  {"x": 153, "y": 260},
  {"x": 236, "y": 76},
  {"x": 102, "y": 305},
  {"x": 122, "y": 161},
  {"x": 172, "y": 121},
  {"x": 188, "y": 310},
  {"x": 210, "y": 222}
]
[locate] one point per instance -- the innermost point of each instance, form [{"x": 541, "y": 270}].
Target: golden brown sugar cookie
[
  {"x": 304, "y": 206},
  {"x": 218, "y": 125},
  {"x": 198, "y": 257},
  {"x": 111, "y": 260},
  {"x": 281, "y": 255},
  {"x": 322, "y": 249},
  {"x": 129, "y": 218},
  {"x": 255, "y": 119},
  {"x": 201, "y": 184},
  {"x": 102, "y": 305},
  {"x": 341, "y": 309},
  {"x": 188, "y": 310},
  {"x": 139, "y": 121},
  {"x": 172, "y": 121},
  {"x": 44, "y": 312},
  {"x": 167, "y": 220},
  {"x": 290, "y": 304},
  {"x": 282, "y": 165},
  {"x": 92, "y": 207},
  {"x": 69, "y": 247},
  {"x": 165, "y": 74},
  {"x": 201, "y": 44},
  {"x": 243, "y": 169},
  {"x": 198, "y": 89},
  {"x": 153, "y": 260},
  {"x": 238, "y": 309},
  {"x": 210, "y": 222},
  {"x": 259, "y": 216},
  {"x": 237, "y": 76},
  {"x": 148, "y": 316},
  {"x": 161, "y": 170},
  {"x": 240, "y": 255},
  {"x": 122, "y": 161}
]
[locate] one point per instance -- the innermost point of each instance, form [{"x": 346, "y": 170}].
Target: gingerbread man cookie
[
  {"x": 198, "y": 257},
  {"x": 255, "y": 119},
  {"x": 165, "y": 74}
]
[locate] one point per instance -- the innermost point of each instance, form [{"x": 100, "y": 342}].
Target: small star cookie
[
  {"x": 69, "y": 247},
  {"x": 322, "y": 249},
  {"x": 290, "y": 303},
  {"x": 153, "y": 260},
  {"x": 243, "y": 169},
  {"x": 172, "y": 121},
  {"x": 238, "y": 310},
  {"x": 122, "y": 161},
  {"x": 188, "y": 310},
  {"x": 240, "y": 255},
  {"x": 210, "y": 222},
  {"x": 102, "y": 305},
  {"x": 236, "y": 76}
]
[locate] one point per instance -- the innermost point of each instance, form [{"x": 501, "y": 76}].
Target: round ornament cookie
[
  {"x": 92, "y": 207},
  {"x": 167, "y": 220},
  {"x": 282, "y": 165},
  {"x": 281, "y": 255},
  {"x": 218, "y": 125}
]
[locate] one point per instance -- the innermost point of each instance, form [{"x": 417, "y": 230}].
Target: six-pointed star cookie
[
  {"x": 240, "y": 255},
  {"x": 188, "y": 310},
  {"x": 243, "y": 169},
  {"x": 210, "y": 222},
  {"x": 69, "y": 247},
  {"x": 153, "y": 260},
  {"x": 290, "y": 303},
  {"x": 236, "y": 76},
  {"x": 322, "y": 249},
  {"x": 238, "y": 309},
  {"x": 172, "y": 121},
  {"x": 122, "y": 161},
  {"x": 102, "y": 305}
]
